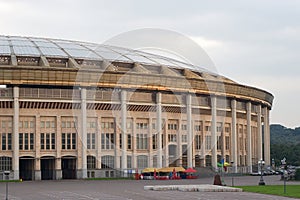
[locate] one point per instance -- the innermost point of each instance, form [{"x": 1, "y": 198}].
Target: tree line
[{"x": 285, "y": 143}]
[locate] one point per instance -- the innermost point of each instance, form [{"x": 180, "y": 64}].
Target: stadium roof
[{"x": 57, "y": 48}]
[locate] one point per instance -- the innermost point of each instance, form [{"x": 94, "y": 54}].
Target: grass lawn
[
  {"x": 291, "y": 190},
  {"x": 105, "y": 179}
]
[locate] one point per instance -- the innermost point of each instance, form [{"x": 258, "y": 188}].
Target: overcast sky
[{"x": 255, "y": 42}]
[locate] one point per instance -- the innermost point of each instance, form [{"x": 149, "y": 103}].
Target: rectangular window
[
  {"x": 227, "y": 142},
  {"x": 47, "y": 124},
  {"x": 219, "y": 142},
  {"x": 208, "y": 142},
  {"x": 172, "y": 137},
  {"x": 198, "y": 142},
  {"x": 63, "y": 141},
  {"x": 207, "y": 128},
  {"x": 9, "y": 141},
  {"x": 197, "y": 127},
  {"x": 129, "y": 141},
  {"x": 112, "y": 141},
  {"x": 31, "y": 141},
  {"x": 184, "y": 127},
  {"x": 20, "y": 141},
  {"x": 73, "y": 140},
  {"x": 129, "y": 162},
  {"x": 3, "y": 141},
  {"x": 26, "y": 141},
  {"x": 103, "y": 141},
  {"x": 93, "y": 141},
  {"x": 25, "y": 124},
  {"x": 88, "y": 141},
  {"x": 42, "y": 141},
  {"x": 68, "y": 141},
  {"x": 47, "y": 141},
  {"x": 52, "y": 140},
  {"x": 142, "y": 141},
  {"x": 42, "y": 124},
  {"x": 184, "y": 138},
  {"x": 154, "y": 141}
]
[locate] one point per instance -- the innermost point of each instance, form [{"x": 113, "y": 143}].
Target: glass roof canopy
[{"x": 36, "y": 47}]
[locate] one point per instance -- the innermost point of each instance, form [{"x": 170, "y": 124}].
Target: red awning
[{"x": 190, "y": 170}]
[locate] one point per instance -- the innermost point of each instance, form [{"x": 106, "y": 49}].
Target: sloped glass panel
[
  {"x": 78, "y": 53},
  {"x": 4, "y": 50},
  {"x": 53, "y": 52},
  {"x": 45, "y": 44},
  {"x": 69, "y": 45},
  {"x": 110, "y": 55},
  {"x": 26, "y": 50},
  {"x": 4, "y": 42},
  {"x": 22, "y": 43}
]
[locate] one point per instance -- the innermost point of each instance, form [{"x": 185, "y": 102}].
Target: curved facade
[{"x": 76, "y": 110}]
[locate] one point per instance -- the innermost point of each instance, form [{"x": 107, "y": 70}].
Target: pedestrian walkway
[{"x": 193, "y": 188}]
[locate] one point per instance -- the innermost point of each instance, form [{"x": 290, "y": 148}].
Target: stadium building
[{"x": 71, "y": 109}]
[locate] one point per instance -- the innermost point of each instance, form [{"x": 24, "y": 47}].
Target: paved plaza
[{"x": 131, "y": 189}]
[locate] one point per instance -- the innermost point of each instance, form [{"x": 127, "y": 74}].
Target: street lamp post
[
  {"x": 283, "y": 162},
  {"x": 6, "y": 173},
  {"x": 261, "y": 164}
]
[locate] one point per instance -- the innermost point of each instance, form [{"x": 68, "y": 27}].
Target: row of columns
[{"x": 83, "y": 132}]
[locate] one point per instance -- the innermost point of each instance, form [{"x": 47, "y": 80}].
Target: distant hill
[
  {"x": 282, "y": 135},
  {"x": 285, "y": 142}
]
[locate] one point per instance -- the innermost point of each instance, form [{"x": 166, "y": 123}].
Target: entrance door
[
  {"x": 68, "y": 166},
  {"x": 26, "y": 168},
  {"x": 48, "y": 168}
]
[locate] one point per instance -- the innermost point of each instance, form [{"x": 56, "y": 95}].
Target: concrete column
[
  {"x": 249, "y": 138},
  {"x": 234, "y": 136},
  {"x": 203, "y": 148},
  {"x": 179, "y": 143},
  {"x": 134, "y": 154},
  {"x": 38, "y": 175},
  {"x": 189, "y": 130},
  {"x": 58, "y": 171},
  {"x": 15, "y": 159},
  {"x": 159, "y": 129},
  {"x": 150, "y": 158},
  {"x": 98, "y": 144},
  {"x": 214, "y": 132},
  {"x": 124, "y": 128},
  {"x": 259, "y": 134},
  {"x": 266, "y": 137},
  {"x": 117, "y": 150},
  {"x": 37, "y": 172},
  {"x": 83, "y": 133}
]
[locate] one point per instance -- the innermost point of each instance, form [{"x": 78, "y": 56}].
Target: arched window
[
  {"x": 208, "y": 160},
  {"x": 107, "y": 162},
  {"x": 142, "y": 161},
  {"x": 91, "y": 162}
]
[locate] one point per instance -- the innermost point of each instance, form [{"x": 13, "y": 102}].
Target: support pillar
[
  {"x": 159, "y": 129},
  {"x": 214, "y": 132},
  {"x": 267, "y": 137},
  {"x": 83, "y": 134},
  {"x": 15, "y": 158},
  {"x": 189, "y": 131},
  {"x": 249, "y": 138},
  {"x": 124, "y": 128},
  {"x": 233, "y": 137},
  {"x": 58, "y": 171},
  {"x": 259, "y": 134}
]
